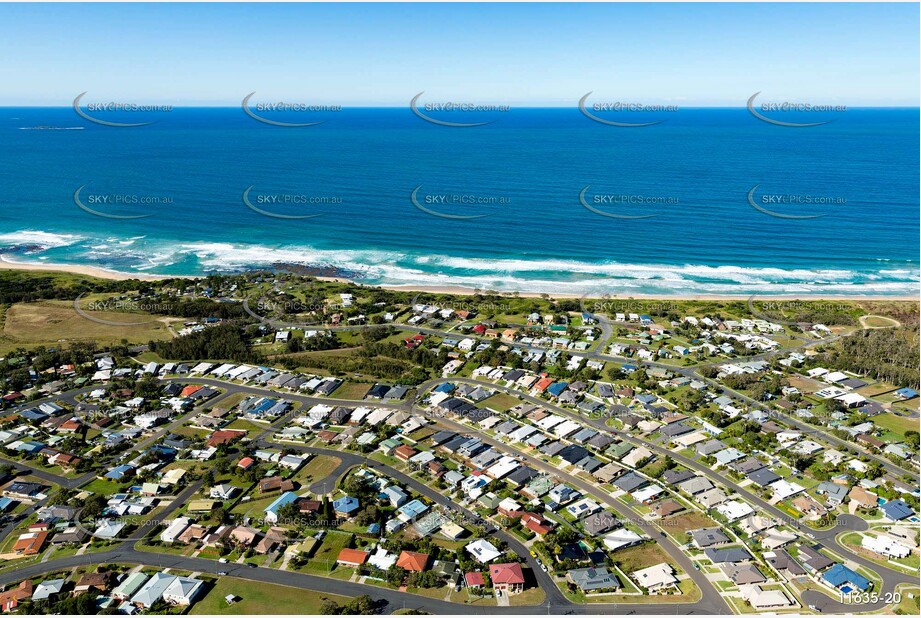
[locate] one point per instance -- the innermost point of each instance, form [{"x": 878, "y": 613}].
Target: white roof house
[
  {"x": 734, "y": 510},
  {"x": 621, "y": 538},
  {"x": 482, "y": 551},
  {"x": 885, "y": 546},
  {"x": 760, "y": 598},
  {"x": 108, "y": 529},
  {"x": 152, "y": 590},
  {"x": 637, "y": 456},
  {"x": 783, "y": 489},
  {"x": 647, "y": 493},
  {"x": 47, "y": 588},
  {"x": 182, "y": 590},
  {"x": 505, "y": 466},
  {"x": 851, "y": 400},
  {"x": 655, "y": 577},
  {"x": 175, "y": 528}
]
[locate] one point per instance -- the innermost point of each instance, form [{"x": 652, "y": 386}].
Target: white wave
[
  {"x": 47, "y": 240},
  {"x": 226, "y": 255},
  {"x": 639, "y": 271},
  {"x": 552, "y": 276}
]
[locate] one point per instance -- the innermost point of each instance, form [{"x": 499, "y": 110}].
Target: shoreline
[
  {"x": 113, "y": 275},
  {"x": 462, "y": 291},
  {"x": 76, "y": 269}
]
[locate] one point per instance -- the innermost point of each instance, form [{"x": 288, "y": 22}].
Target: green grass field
[
  {"x": 352, "y": 390},
  {"x": 641, "y": 556},
  {"x": 318, "y": 468},
  {"x": 51, "y": 322},
  {"x": 258, "y": 597},
  {"x": 691, "y": 520},
  {"x": 896, "y": 424},
  {"x": 500, "y": 402}
]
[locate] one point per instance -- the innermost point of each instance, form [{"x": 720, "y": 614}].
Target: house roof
[
  {"x": 728, "y": 554},
  {"x": 897, "y": 510},
  {"x": 705, "y": 537},
  {"x": 814, "y": 559},
  {"x": 839, "y": 574},
  {"x": 506, "y": 573},
  {"x": 593, "y": 578},
  {"x": 352, "y": 556},
  {"x": 412, "y": 561},
  {"x": 763, "y": 477}
]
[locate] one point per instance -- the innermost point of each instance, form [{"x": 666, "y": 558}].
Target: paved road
[
  {"x": 826, "y": 539},
  {"x": 63, "y": 481},
  {"x": 127, "y": 552},
  {"x": 691, "y": 371},
  {"x": 554, "y": 596},
  {"x": 394, "y": 600},
  {"x": 710, "y": 603}
]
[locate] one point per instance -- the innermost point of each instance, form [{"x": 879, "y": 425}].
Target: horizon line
[{"x": 406, "y": 106}]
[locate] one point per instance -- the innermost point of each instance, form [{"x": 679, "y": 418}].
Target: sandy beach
[
  {"x": 462, "y": 291},
  {"x": 74, "y": 269},
  {"x": 93, "y": 271}
]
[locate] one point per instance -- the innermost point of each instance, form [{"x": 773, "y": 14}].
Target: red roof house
[
  {"x": 225, "y": 436},
  {"x": 474, "y": 579},
  {"x": 413, "y": 561},
  {"x": 246, "y": 463},
  {"x": 508, "y": 577}
]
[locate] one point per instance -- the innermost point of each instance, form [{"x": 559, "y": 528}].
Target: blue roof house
[
  {"x": 906, "y": 393},
  {"x": 271, "y": 511},
  {"x": 896, "y": 510},
  {"x": 119, "y": 472},
  {"x": 345, "y": 507},
  {"x": 411, "y": 510},
  {"x": 845, "y": 579}
]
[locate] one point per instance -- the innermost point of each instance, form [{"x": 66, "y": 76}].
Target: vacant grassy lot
[
  {"x": 909, "y": 605},
  {"x": 106, "y": 488},
  {"x": 231, "y": 401},
  {"x": 51, "y": 322},
  {"x": 877, "y": 321},
  {"x": 500, "y": 401},
  {"x": 257, "y": 597},
  {"x": 531, "y": 596},
  {"x": 324, "y": 558},
  {"x": 896, "y": 424},
  {"x": 317, "y": 469},
  {"x": 691, "y": 520},
  {"x": 352, "y": 390},
  {"x": 640, "y": 556}
]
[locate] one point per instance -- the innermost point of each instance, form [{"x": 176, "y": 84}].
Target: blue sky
[{"x": 534, "y": 54}]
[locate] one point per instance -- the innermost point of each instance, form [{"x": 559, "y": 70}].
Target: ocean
[{"x": 710, "y": 201}]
